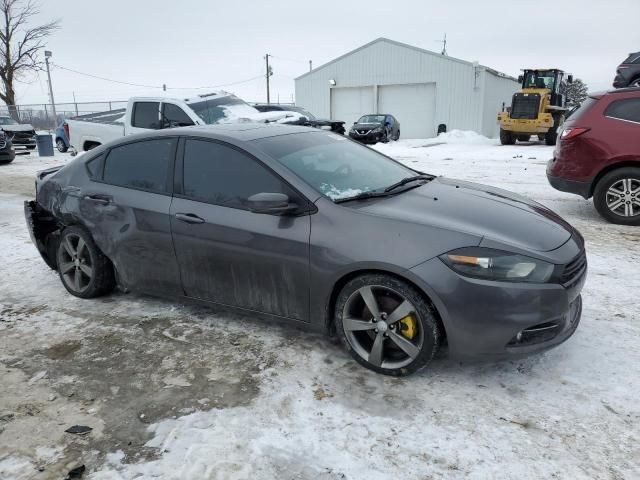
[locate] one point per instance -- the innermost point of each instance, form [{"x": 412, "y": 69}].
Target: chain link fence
[{"x": 41, "y": 116}]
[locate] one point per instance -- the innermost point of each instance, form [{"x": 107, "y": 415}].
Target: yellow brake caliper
[{"x": 408, "y": 327}]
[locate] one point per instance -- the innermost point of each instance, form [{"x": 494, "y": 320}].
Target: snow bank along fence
[{"x": 40, "y": 115}]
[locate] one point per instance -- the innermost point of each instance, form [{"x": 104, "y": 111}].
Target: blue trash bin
[{"x": 45, "y": 145}]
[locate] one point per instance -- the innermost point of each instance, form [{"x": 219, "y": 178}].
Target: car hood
[
  {"x": 367, "y": 125},
  {"x": 487, "y": 212},
  {"x": 17, "y": 128}
]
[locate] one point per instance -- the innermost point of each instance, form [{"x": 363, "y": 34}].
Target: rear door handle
[
  {"x": 189, "y": 218},
  {"x": 101, "y": 199}
]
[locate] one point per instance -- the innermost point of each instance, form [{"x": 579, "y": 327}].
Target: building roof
[{"x": 405, "y": 45}]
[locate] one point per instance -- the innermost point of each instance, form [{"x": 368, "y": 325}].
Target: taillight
[
  {"x": 569, "y": 133},
  {"x": 65, "y": 127}
]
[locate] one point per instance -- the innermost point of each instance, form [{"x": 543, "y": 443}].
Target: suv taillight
[{"x": 569, "y": 133}]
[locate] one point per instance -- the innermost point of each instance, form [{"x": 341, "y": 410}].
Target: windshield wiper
[
  {"x": 404, "y": 181},
  {"x": 362, "y": 196}
]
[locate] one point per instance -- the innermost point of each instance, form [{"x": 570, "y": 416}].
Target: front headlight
[{"x": 490, "y": 264}]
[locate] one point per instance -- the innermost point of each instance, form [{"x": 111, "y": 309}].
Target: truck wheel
[
  {"x": 62, "y": 148},
  {"x": 506, "y": 137},
  {"x": 617, "y": 196},
  {"x": 551, "y": 136}
]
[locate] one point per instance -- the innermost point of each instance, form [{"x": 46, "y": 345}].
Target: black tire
[
  {"x": 390, "y": 294},
  {"x": 62, "y": 148},
  {"x": 603, "y": 196},
  {"x": 635, "y": 82},
  {"x": 551, "y": 136},
  {"x": 506, "y": 137},
  {"x": 397, "y": 136},
  {"x": 75, "y": 274}
]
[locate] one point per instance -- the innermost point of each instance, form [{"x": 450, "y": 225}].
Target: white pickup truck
[{"x": 153, "y": 113}]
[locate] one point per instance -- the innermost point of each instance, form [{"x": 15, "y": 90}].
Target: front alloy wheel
[{"x": 386, "y": 325}]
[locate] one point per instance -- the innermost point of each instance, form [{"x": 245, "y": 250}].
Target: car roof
[{"x": 232, "y": 131}]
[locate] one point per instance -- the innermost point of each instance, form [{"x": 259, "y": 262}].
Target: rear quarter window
[
  {"x": 583, "y": 108},
  {"x": 625, "y": 109},
  {"x": 95, "y": 166}
]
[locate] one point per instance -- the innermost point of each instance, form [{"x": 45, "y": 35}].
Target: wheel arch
[
  {"x": 347, "y": 277},
  {"x": 610, "y": 168}
]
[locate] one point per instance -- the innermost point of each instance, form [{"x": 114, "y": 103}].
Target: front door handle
[
  {"x": 189, "y": 218},
  {"x": 100, "y": 199}
]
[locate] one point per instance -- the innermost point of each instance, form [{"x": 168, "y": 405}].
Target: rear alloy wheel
[
  {"x": 506, "y": 137},
  {"x": 617, "y": 196},
  {"x": 61, "y": 146},
  {"x": 386, "y": 325},
  {"x": 84, "y": 270},
  {"x": 635, "y": 83},
  {"x": 397, "y": 136}
]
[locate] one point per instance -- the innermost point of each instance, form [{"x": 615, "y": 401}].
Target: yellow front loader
[{"x": 538, "y": 109}]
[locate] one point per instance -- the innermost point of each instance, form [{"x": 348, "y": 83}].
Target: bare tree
[{"x": 20, "y": 46}]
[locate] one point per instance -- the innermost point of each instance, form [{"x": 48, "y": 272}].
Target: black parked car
[
  {"x": 310, "y": 119},
  {"x": 299, "y": 224},
  {"x": 7, "y": 153},
  {"x": 628, "y": 72},
  {"x": 375, "y": 128}
]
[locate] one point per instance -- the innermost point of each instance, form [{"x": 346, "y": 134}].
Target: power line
[{"x": 161, "y": 87}]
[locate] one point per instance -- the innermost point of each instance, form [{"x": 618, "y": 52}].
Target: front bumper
[
  {"x": 495, "y": 320},
  {"x": 368, "y": 137}
]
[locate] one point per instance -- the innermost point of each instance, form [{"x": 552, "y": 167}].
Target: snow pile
[{"x": 334, "y": 193}]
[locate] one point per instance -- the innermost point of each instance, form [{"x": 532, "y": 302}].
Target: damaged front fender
[{"x": 43, "y": 230}]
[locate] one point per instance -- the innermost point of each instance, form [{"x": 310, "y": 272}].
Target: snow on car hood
[
  {"x": 480, "y": 210},
  {"x": 17, "y": 128}
]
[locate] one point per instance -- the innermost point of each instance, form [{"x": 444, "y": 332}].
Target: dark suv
[
  {"x": 628, "y": 72},
  {"x": 379, "y": 127},
  {"x": 598, "y": 154}
]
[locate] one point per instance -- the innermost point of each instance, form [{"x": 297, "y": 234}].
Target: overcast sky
[{"x": 194, "y": 43}]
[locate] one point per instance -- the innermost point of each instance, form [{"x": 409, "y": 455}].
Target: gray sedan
[{"x": 307, "y": 226}]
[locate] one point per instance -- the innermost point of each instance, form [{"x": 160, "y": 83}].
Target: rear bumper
[
  {"x": 620, "y": 82},
  {"x": 570, "y": 186},
  {"x": 42, "y": 230}
]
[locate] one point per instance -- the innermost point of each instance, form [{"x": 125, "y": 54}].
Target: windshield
[
  {"x": 540, "y": 79},
  {"x": 334, "y": 165},
  {"x": 214, "y": 109},
  {"x": 301, "y": 111},
  {"x": 7, "y": 121},
  {"x": 371, "y": 119}
]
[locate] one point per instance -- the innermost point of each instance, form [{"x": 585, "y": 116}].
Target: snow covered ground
[{"x": 182, "y": 392}]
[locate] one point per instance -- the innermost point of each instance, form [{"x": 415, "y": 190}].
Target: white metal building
[{"x": 422, "y": 89}]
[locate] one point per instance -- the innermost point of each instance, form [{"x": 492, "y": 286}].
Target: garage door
[
  {"x": 413, "y": 105},
  {"x": 349, "y": 104}
]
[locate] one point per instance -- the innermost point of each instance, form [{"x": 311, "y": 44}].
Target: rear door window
[
  {"x": 633, "y": 58},
  {"x": 146, "y": 115},
  {"x": 174, "y": 116},
  {"x": 141, "y": 165},
  {"x": 627, "y": 109}
]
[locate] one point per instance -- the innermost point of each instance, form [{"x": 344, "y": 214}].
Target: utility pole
[
  {"x": 47, "y": 55},
  {"x": 310, "y": 65},
  {"x": 269, "y": 73},
  {"x": 444, "y": 44}
]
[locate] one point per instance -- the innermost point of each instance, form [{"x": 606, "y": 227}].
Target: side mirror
[
  {"x": 270, "y": 203},
  {"x": 520, "y": 78},
  {"x": 570, "y": 78}
]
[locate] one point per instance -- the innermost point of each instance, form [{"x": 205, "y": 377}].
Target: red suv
[{"x": 598, "y": 154}]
